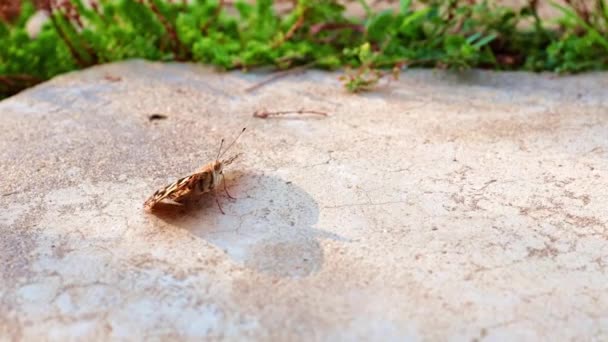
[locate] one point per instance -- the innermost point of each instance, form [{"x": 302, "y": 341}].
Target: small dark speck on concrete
[
  {"x": 153, "y": 117},
  {"x": 289, "y": 182}
]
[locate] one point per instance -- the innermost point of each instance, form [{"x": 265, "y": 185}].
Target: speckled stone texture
[{"x": 440, "y": 207}]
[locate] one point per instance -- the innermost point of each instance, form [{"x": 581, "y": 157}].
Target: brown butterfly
[{"x": 206, "y": 179}]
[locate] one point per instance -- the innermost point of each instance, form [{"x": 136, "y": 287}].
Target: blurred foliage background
[{"x": 369, "y": 39}]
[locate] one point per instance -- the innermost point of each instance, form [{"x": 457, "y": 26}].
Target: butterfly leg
[
  {"x": 218, "y": 202},
  {"x": 225, "y": 188}
]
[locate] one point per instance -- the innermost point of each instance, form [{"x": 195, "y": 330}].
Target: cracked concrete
[{"x": 442, "y": 207}]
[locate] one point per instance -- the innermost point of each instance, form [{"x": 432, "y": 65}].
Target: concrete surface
[{"x": 441, "y": 207}]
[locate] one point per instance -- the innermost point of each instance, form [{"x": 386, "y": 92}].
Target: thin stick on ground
[
  {"x": 215, "y": 16},
  {"x": 171, "y": 31},
  {"x": 12, "y": 84},
  {"x": 75, "y": 54},
  {"x": 263, "y": 114},
  {"x": 10, "y": 79},
  {"x": 279, "y": 75},
  {"x": 292, "y": 30}
]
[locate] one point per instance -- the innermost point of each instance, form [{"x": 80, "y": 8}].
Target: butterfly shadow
[{"x": 269, "y": 227}]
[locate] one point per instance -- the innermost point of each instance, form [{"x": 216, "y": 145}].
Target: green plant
[
  {"x": 584, "y": 42},
  {"x": 435, "y": 33}
]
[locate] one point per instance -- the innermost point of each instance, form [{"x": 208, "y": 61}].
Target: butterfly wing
[{"x": 176, "y": 190}]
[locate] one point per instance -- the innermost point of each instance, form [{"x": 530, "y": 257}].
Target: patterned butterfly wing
[{"x": 175, "y": 191}]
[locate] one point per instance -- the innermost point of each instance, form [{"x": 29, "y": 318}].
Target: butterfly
[{"x": 206, "y": 179}]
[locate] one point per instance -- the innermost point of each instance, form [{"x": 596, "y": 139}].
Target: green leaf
[
  {"x": 404, "y": 6},
  {"x": 484, "y": 41},
  {"x": 378, "y": 26}
]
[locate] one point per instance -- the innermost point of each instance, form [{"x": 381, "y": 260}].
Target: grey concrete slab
[{"x": 440, "y": 207}]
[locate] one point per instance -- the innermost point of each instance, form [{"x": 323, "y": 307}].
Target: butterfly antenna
[
  {"x": 235, "y": 140},
  {"x": 233, "y": 158},
  {"x": 219, "y": 151}
]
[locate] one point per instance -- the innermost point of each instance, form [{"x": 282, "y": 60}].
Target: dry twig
[{"x": 263, "y": 114}]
